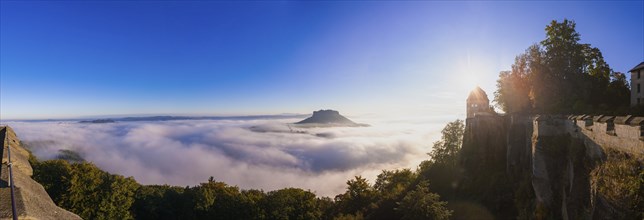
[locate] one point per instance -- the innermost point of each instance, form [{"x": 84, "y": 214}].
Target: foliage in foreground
[
  {"x": 86, "y": 190},
  {"x": 420, "y": 203},
  {"x": 620, "y": 181},
  {"x": 95, "y": 194}
]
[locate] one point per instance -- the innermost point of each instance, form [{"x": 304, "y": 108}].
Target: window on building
[
  {"x": 638, "y": 101},
  {"x": 638, "y": 88},
  {"x": 638, "y": 74}
]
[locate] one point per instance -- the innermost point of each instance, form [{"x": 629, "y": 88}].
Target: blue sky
[{"x": 77, "y": 59}]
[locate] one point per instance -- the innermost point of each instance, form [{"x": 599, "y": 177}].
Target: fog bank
[{"x": 187, "y": 152}]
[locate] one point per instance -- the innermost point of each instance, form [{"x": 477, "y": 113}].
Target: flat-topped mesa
[{"x": 328, "y": 118}]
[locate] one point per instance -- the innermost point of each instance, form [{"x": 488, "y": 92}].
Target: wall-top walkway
[
  {"x": 624, "y": 133},
  {"x": 32, "y": 201}
]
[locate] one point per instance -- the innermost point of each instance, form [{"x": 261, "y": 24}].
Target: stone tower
[{"x": 477, "y": 102}]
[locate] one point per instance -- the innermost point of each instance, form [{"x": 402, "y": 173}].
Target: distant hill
[
  {"x": 99, "y": 121},
  {"x": 175, "y": 118},
  {"x": 70, "y": 156},
  {"x": 328, "y": 118}
]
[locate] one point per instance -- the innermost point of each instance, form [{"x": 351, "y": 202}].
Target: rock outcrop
[
  {"x": 555, "y": 167},
  {"x": 328, "y": 118},
  {"x": 32, "y": 201}
]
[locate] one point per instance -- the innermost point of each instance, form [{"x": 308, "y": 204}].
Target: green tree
[
  {"x": 564, "y": 58},
  {"x": 446, "y": 150},
  {"x": 357, "y": 216},
  {"x": 389, "y": 188},
  {"x": 328, "y": 208},
  {"x": 391, "y": 183},
  {"x": 420, "y": 203},
  {"x": 117, "y": 196},
  {"x": 292, "y": 203},
  {"x": 54, "y": 176},
  {"x": 252, "y": 200},
  {"x": 443, "y": 168},
  {"x": 217, "y": 200},
  {"x": 162, "y": 202},
  {"x": 148, "y": 202},
  {"x": 359, "y": 197},
  {"x": 84, "y": 191},
  {"x": 513, "y": 93},
  {"x": 96, "y": 194},
  {"x": 560, "y": 75},
  {"x": 618, "y": 91}
]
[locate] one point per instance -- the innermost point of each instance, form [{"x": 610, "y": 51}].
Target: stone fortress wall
[
  {"x": 559, "y": 180},
  {"x": 623, "y": 133}
]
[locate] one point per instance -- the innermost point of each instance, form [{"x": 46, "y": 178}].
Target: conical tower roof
[{"x": 478, "y": 95}]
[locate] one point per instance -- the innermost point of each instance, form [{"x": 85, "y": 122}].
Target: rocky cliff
[
  {"x": 555, "y": 167},
  {"x": 31, "y": 199}
]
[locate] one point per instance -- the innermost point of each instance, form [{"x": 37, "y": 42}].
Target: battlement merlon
[{"x": 625, "y": 133}]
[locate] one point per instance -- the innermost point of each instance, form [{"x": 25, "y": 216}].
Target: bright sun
[{"x": 468, "y": 75}]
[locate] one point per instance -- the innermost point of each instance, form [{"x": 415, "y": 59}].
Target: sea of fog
[{"x": 275, "y": 156}]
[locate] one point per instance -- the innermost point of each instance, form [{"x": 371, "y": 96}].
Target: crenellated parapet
[
  {"x": 624, "y": 133},
  {"x": 619, "y": 132}
]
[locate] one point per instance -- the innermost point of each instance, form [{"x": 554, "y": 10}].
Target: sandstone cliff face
[
  {"x": 484, "y": 145},
  {"x": 576, "y": 170},
  {"x": 32, "y": 201},
  {"x": 549, "y": 167},
  {"x": 558, "y": 177},
  {"x": 485, "y": 181}
]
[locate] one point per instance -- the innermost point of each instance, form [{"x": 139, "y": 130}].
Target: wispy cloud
[{"x": 188, "y": 152}]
